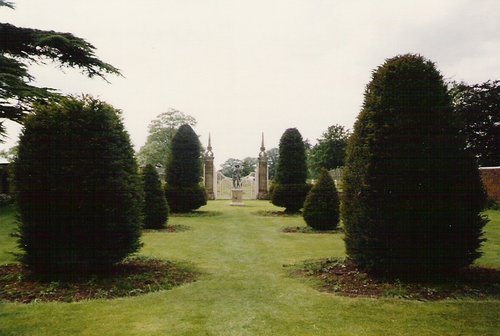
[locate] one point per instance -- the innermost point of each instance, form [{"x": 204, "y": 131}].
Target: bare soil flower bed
[
  {"x": 134, "y": 276},
  {"x": 271, "y": 213},
  {"x": 171, "y": 228},
  {"x": 344, "y": 278},
  {"x": 308, "y": 229},
  {"x": 197, "y": 213}
]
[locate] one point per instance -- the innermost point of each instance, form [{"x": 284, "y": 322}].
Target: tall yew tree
[
  {"x": 78, "y": 191},
  {"x": 412, "y": 194},
  {"x": 183, "y": 190},
  {"x": 290, "y": 188}
]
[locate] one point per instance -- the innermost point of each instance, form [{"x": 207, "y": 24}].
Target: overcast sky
[{"x": 246, "y": 67}]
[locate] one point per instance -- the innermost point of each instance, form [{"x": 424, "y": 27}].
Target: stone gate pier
[{"x": 218, "y": 186}]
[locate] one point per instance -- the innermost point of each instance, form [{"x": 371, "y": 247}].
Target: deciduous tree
[
  {"x": 329, "y": 152},
  {"x": 161, "y": 132},
  {"x": 478, "y": 107},
  {"x": 272, "y": 161}
]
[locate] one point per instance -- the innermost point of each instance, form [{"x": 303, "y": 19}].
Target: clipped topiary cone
[{"x": 321, "y": 207}]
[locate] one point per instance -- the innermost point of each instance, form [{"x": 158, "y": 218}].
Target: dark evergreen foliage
[
  {"x": 289, "y": 185},
  {"x": 185, "y": 199},
  {"x": 183, "y": 190},
  {"x": 155, "y": 204},
  {"x": 78, "y": 190},
  {"x": 20, "y": 47},
  {"x": 321, "y": 207},
  {"x": 289, "y": 196},
  {"x": 412, "y": 195}
]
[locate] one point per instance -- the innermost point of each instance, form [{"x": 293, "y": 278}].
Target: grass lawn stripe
[{"x": 245, "y": 290}]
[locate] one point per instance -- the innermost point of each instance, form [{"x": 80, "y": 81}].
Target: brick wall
[{"x": 491, "y": 181}]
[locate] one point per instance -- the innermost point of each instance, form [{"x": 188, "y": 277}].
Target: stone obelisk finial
[
  {"x": 208, "y": 152},
  {"x": 262, "y": 147}
]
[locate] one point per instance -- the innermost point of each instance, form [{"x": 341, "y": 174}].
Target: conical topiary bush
[
  {"x": 183, "y": 190},
  {"x": 321, "y": 207},
  {"x": 289, "y": 186},
  {"x": 155, "y": 205}
]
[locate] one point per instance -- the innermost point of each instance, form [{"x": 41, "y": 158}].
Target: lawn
[{"x": 245, "y": 290}]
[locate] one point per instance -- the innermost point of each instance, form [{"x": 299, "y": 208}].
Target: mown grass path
[{"x": 245, "y": 290}]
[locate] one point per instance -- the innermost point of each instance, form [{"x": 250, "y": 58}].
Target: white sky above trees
[{"x": 246, "y": 67}]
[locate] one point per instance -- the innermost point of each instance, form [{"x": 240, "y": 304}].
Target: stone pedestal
[
  {"x": 237, "y": 197},
  {"x": 262, "y": 175},
  {"x": 209, "y": 177},
  {"x": 262, "y": 193}
]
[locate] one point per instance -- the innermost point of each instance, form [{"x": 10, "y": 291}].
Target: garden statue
[{"x": 237, "y": 176}]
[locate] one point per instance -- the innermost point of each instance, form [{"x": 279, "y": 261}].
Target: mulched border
[
  {"x": 342, "y": 277},
  {"x": 134, "y": 276},
  {"x": 308, "y": 229},
  {"x": 273, "y": 213},
  {"x": 197, "y": 214},
  {"x": 170, "y": 228}
]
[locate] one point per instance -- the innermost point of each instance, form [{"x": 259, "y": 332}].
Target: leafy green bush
[
  {"x": 289, "y": 185},
  {"x": 321, "y": 207},
  {"x": 183, "y": 190},
  {"x": 329, "y": 152},
  {"x": 412, "y": 195},
  {"x": 78, "y": 191},
  {"x": 155, "y": 204}
]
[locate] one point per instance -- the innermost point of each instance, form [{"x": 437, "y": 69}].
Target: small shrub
[
  {"x": 155, "y": 204},
  {"x": 321, "y": 207}
]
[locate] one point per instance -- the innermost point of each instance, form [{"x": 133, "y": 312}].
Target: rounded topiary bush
[
  {"x": 412, "y": 195},
  {"x": 183, "y": 190},
  {"x": 78, "y": 191},
  {"x": 155, "y": 204},
  {"x": 289, "y": 184},
  {"x": 321, "y": 207}
]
